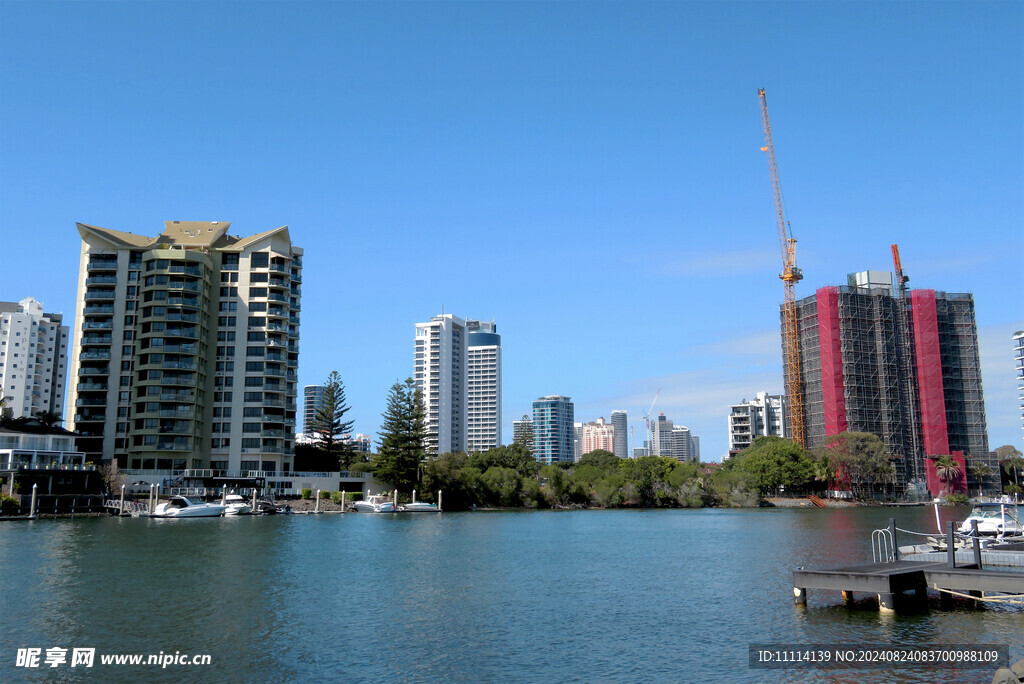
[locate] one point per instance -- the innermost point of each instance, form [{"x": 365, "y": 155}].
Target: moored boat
[
  {"x": 376, "y": 503},
  {"x": 182, "y": 507},
  {"x": 236, "y": 505},
  {"x": 994, "y": 520}
]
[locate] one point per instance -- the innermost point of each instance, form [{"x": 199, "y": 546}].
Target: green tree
[
  {"x": 979, "y": 471},
  {"x": 600, "y": 458},
  {"x": 1012, "y": 462},
  {"x": 515, "y": 456},
  {"x": 48, "y": 418},
  {"x": 402, "y": 437},
  {"x": 861, "y": 457},
  {"x": 501, "y": 486},
  {"x": 775, "y": 462},
  {"x": 6, "y": 412},
  {"x": 328, "y": 424},
  {"x": 648, "y": 475},
  {"x": 946, "y": 468}
]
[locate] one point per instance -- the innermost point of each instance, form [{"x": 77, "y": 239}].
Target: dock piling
[
  {"x": 120, "y": 506},
  {"x": 976, "y": 541},
  {"x": 800, "y": 596},
  {"x": 950, "y": 546},
  {"x": 32, "y": 503},
  {"x": 317, "y": 510}
]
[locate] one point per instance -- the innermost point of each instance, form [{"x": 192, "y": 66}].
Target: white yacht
[
  {"x": 994, "y": 519},
  {"x": 376, "y": 503},
  {"x": 181, "y": 507},
  {"x": 236, "y": 505}
]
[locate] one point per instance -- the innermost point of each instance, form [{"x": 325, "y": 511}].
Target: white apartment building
[
  {"x": 765, "y": 415},
  {"x": 522, "y": 431},
  {"x": 483, "y": 386},
  {"x": 440, "y": 374},
  {"x": 1018, "y": 362},
  {"x": 33, "y": 358},
  {"x": 312, "y": 400},
  {"x": 186, "y": 348}
]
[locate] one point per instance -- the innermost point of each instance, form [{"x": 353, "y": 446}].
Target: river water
[{"x": 611, "y": 596}]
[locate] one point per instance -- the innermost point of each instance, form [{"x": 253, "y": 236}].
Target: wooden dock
[{"x": 898, "y": 581}]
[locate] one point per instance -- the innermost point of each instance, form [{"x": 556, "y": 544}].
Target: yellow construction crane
[{"x": 790, "y": 276}]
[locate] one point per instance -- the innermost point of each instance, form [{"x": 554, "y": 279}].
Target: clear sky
[{"x": 588, "y": 175}]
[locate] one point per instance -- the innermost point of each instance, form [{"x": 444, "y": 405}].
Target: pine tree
[
  {"x": 327, "y": 424},
  {"x": 402, "y": 437}
]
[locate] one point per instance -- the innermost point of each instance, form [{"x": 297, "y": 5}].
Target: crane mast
[{"x": 790, "y": 276}]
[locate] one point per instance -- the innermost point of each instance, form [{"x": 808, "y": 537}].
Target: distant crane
[
  {"x": 790, "y": 276},
  {"x": 647, "y": 420}
]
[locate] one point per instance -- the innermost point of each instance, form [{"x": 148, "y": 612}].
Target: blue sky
[{"x": 588, "y": 175}]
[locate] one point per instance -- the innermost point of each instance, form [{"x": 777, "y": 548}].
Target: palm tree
[
  {"x": 1014, "y": 464},
  {"x": 48, "y": 418},
  {"x": 947, "y": 469},
  {"x": 980, "y": 471}
]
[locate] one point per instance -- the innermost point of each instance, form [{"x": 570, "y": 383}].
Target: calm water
[{"x": 462, "y": 597}]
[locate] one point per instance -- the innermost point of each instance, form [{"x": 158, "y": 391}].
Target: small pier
[{"x": 904, "y": 583}]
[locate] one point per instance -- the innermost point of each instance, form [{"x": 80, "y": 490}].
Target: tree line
[{"x": 509, "y": 476}]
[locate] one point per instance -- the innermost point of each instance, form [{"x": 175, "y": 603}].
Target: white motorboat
[
  {"x": 236, "y": 505},
  {"x": 420, "y": 507},
  {"x": 994, "y": 519},
  {"x": 181, "y": 507},
  {"x": 377, "y": 503}
]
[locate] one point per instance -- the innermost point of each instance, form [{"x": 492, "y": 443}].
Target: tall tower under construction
[{"x": 903, "y": 368}]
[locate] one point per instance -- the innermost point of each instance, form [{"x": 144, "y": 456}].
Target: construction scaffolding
[{"x": 865, "y": 370}]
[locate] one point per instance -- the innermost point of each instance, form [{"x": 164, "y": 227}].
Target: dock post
[
  {"x": 977, "y": 544},
  {"x": 317, "y": 510},
  {"x": 32, "y": 502},
  {"x": 223, "y": 495},
  {"x": 342, "y": 500},
  {"x": 800, "y": 596},
  {"x": 887, "y": 603},
  {"x": 414, "y": 496},
  {"x": 120, "y": 508},
  {"x": 151, "y": 491},
  {"x": 395, "y": 510},
  {"x": 950, "y": 547},
  {"x": 438, "y": 500},
  {"x": 892, "y": 533}
]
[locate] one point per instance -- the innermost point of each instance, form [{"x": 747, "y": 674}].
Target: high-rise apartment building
[
  {"x": 522, "y": 432},
  {"x": 765, "y": 415},
  {"x": 903, "y": 368},
  {"x": 672, "y": 441},
  {"x": 440, "y": 374},
  {"x": 620, "y": 422},
  {"x": 33, "y": 358},
  {"x": 553, "y": 435},
  {"x": 186, "y": 348},
  {"x": 312, "y": 400},
  {"x": 1018, "y": 360},
  {"x": 597, "y": 435},
  {"x": 483, "y": 386}
]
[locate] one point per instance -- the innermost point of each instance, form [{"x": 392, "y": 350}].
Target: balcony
[
  {"x": 93, "y": 355},
  {"x": 99, "y": 310},
  {"x": 98, "y": 263},
  {"x": 92, "y": 387},
  {"x": 98, "y": 325},
  {"x": 183, "y": 365},
  {"x": 90, "y": 417},
  {"x": 101, "y": 280},
  {"x": 94, "y": 371}
]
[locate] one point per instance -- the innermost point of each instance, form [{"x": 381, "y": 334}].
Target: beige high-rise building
[
  {"x": 186, "y": 349},
  {"x": 597, "y": 435}
]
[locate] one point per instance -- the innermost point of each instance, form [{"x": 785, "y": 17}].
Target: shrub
[
  {"x": 325, "y": 494},
  {"x": 336, "y": 497},
  {"x": 9, "y": 504},
  {"x": 957, "y": 499},
  {"x": 307, "y": 493}
]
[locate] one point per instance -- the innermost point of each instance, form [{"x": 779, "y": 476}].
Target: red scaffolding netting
[
  {"x": 929, "y": 373},
  {"x": 832, "y": 389}
]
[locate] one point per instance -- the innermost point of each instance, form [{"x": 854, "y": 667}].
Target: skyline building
[
  {"x": 1018, "y": 361},
  {"x": 672, "y": 441},
  {"x": 439, "y": 357},
  {"x": 553, "y": 433},
  {"x": 522, "y": 432},
  {"x": 33, "y": 358},
  {"x": 764, "y": 416},
  {"x": 597, "y": 435},
  {"x": 620, "y": 421},
  {"x": 312, "y": 400},
  {"x": 186, "y": 348},
  {"x": 903, "y": 368},
  {"x": 483, "y": 386}
]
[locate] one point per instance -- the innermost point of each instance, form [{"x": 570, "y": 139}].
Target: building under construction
[{"x": 905, "y": 368}]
